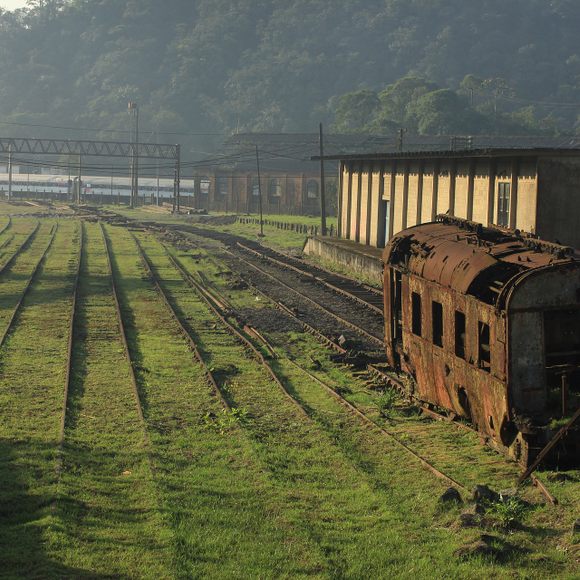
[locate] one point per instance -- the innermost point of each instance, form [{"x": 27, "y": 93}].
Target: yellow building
[{"x": 535, "y": 190}]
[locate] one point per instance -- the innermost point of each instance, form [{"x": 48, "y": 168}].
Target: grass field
[{"x": 165, "y": 478}]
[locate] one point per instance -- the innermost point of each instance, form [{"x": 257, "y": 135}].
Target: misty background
[{"x": 204, "y": 69}]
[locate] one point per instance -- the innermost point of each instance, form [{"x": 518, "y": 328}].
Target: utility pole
[
  {"x": 112, "y": 169},
  {"x": 400, "y": 143},
  {"x": 260, "y": 193},
  {"x": 80, "y": 180},
  {"x": 156, "y": 140},
  {"x": 134, "y": 113},
  {"x": 178, "y": 178},
  {"x": 10, "y": 172},
  {"x": 322, "y": 186}
]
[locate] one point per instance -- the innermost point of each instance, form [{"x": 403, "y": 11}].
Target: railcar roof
[{"x": 470, "y": 258}]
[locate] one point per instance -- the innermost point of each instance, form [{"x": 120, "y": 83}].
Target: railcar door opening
[
  {"x": 396, "y": 309},
  {"x": 562, "y": 352}
]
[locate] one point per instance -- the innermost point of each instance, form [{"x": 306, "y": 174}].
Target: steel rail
[
  {"x": 16, "y": 311},
  {"x": 69, "y": 365},
  {"x": 243, "y": 340},
  {"x": 25, "y": 244},
  {"x": 6, "y": 241},
  {"x": 368, "y": 421},
  {"x": 8, "y": 224},
  {"x": 208, "y": 375},
  {"x": 123, "y": 335}
]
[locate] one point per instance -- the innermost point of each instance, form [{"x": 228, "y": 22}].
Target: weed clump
[
  {"x": 223, "y": 421},
  {"x": 508, "y": 512},
  {"x": 386, "y": 402}
]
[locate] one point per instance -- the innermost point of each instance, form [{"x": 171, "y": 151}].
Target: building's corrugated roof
[{"x": 479, "y": 146}]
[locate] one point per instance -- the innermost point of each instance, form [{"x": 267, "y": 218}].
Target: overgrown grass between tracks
[{"x": 224, "y": 513}]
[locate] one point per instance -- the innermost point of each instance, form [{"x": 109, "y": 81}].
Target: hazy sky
[{"x": 12, "y": 4}]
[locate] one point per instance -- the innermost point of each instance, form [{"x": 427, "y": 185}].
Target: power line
[{"x": 117, "y": 131}]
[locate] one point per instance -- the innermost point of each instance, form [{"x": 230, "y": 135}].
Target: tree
[{"x": 355, "y": 112}]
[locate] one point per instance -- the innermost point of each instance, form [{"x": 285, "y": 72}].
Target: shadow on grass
[{"x": 23, "y": 516}]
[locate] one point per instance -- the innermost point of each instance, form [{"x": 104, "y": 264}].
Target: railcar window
[
  {"x": 437, "y": 317},
  {"x": 416, "y": 313},
  {"x": 459, "y": 334},
  {"x": 484, "y": 357}
]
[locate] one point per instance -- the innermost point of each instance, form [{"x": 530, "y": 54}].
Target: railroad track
[
  {"x": 25, "y": 244},
  {"x": 243, "y": 340},
  {"x": 372, "y": 338},
  {"x": 123, "y": 335},
  {"x": 208, "y": 375},
  {"x": 362, "y": 294},
  {"x": 69, "y": 363},
  {"x": 33, "y": 276},
  {"x": 218, "y": 305},
  {"x": 7, "y": 225}
]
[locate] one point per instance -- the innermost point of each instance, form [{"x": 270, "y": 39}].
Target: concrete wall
[
  {"x": 357, "y": 262},
  {"x": 419, "y": 189}
]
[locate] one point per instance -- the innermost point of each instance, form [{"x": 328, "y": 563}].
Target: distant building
[
  {"x": 536, "y": 189},
  {"x": 289, "y": 179}
]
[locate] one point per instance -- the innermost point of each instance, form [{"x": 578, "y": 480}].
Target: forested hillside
[{"x": 214, "y": 66}]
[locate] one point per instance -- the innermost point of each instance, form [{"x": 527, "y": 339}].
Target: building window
[
  {"x": 312, "y": 189},
  {"x": 416, "y": 313},
  {"x": 437, "y": 317},
  {"x": 222, "y": 185},
  {"x": 275, "y": 187},
  {"x": 459, "y": 334},
  {"x": 204, "y": 185},
  {"x": 503, "y": 204},
  {"x": 255, "y": 187},
  {"x": 484, "y": 356}
]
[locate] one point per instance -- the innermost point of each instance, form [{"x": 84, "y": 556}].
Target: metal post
[
  {"x": 80, "y": 180},
  {"x": 178, "y": 178},
  {"x": 156, "y": 140},
  {"x": 9, "y": 172},
  {"x": 134, "y": 113},
  {"x": 136, "y": 154},
  {"x": 565, "y": 393},
  {"x": 118, "y": 201},
  {"x": 322, "y": 187},
  {"x": 260, "y": 193}
]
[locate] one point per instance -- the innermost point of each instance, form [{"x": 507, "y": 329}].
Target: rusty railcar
[{"x": 486, "y": 323}]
